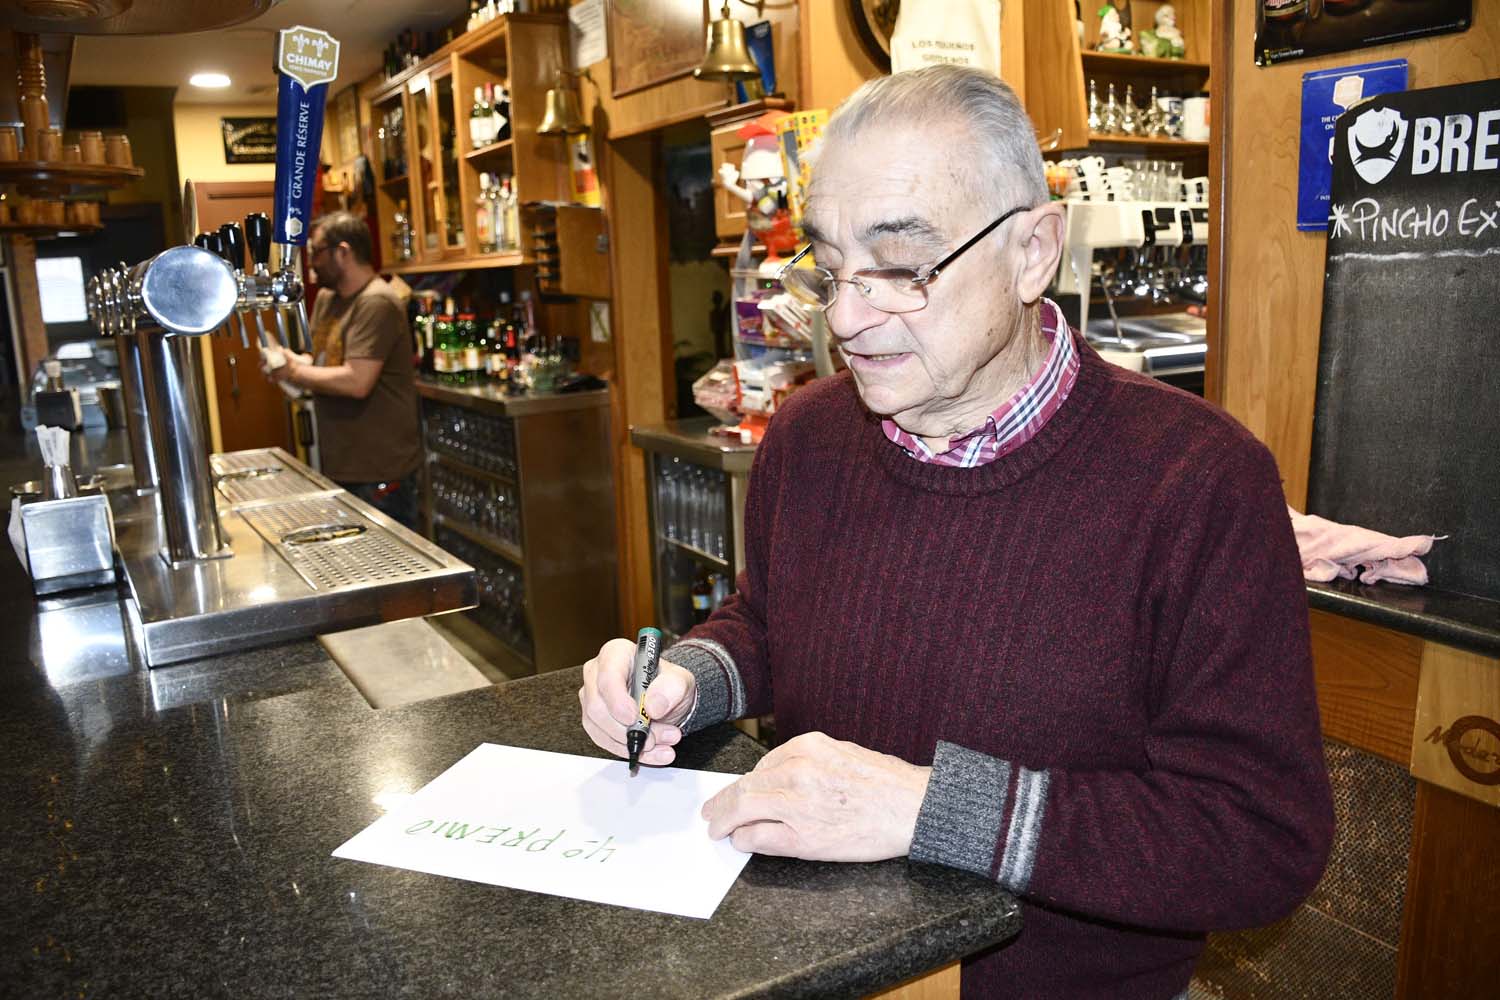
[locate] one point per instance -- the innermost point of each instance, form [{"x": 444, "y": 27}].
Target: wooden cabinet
[
  {"x": 520, "y": 487},
  {"x": 729, "y": 210},
  {"x": 438, "y": 179},
  {"x": 1058, "y": 65}
]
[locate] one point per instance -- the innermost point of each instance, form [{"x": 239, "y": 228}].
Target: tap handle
[
  {"x": 258, "y": 236},
  {"x": 234, "y": 245},
  {"x": 209, "y": 241}
]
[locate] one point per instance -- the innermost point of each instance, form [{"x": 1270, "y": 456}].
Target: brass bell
[
  {"x": 563, "y": 115},
  {"x": 728, "y": 58}
]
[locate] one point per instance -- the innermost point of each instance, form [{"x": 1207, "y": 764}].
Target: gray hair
[{"x": 1008, "y": 160}]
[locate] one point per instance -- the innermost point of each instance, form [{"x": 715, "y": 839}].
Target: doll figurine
[
  {"x": 764, "y": 188},
  {"x": 1165, "y": 40},
  {"x": 1113, "y": 35}
]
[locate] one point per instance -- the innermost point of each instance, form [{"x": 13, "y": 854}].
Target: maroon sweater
[{"x": 1099, "y": 642}]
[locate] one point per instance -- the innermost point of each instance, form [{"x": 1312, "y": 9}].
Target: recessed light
[{"x": 209, "y": 81}]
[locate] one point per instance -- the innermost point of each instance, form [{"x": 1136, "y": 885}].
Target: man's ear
[{"x": 1041, "y": 233}]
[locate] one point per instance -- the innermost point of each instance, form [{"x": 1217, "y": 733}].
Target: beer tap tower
[{"x": 211, "y": 544}]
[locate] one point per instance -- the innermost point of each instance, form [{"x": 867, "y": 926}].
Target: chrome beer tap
[
  {"x": 289, "y": 294},
  {"x": 232, "y": 242},
  {"x": 257, "y": 284},
  {"x": 214, "y": 244}
]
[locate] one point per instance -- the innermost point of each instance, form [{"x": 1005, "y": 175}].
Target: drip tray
[
  {"x": 302, "y": 566},
  {"x": 246, "y": 477}
]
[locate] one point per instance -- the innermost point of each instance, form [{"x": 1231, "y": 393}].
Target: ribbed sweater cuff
[
  {"x": 720, "y": 689},
  {"x": 959, "y": 822},
  {"x": 964, "y": 812}
]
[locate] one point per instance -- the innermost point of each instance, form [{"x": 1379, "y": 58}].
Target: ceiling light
[{"x": 209, "y": 81}]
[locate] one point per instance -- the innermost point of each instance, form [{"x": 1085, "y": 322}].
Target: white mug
[{"x": 1195, "y": 119}]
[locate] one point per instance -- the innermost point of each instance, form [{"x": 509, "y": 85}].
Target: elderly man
[
  {"x": 1018, "y": 611},
  {"x": 369, "y": 440}
]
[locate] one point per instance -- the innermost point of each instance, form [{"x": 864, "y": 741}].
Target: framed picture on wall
[
  {"x": 249, "y": 140},
  {"x": 653, "y": 41}
]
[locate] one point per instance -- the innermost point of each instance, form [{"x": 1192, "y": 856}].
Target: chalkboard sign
[{"x": 1406, "y": 430}]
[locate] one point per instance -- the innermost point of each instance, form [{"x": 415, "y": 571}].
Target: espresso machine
[
  {"x": 1165, "y": 261},
  {"x": 225, "y": 551}
]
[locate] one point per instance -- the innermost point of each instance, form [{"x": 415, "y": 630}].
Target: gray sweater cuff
[
  {"x": 959, "y": 822},
  {"x": 720, "y": 689},
  {"x": 961, "y": 816}
]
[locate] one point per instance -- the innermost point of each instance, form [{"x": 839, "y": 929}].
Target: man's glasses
[{"x": 889, "y": 289}]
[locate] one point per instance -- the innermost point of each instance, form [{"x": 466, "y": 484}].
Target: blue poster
[{"x": 1326, "y": 95}]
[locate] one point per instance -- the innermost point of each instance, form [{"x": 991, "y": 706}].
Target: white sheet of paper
[{"x": 564, "y": 825}]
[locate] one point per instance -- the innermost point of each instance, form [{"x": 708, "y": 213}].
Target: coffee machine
[{"x": 1137, "y": 250}]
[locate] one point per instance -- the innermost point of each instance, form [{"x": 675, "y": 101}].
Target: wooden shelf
[
  {"x": 1183, "y": 145},
  {"x": 1113, "y": 62},
  {"x": 37, "y": 176},
  {"x": 751, "y": 109},
  {"x": 41, "y": 230},
  {"x": 459, "y": 263},
  {"x": 502, "y": 146},
  {"x": 392, "y": 182}
]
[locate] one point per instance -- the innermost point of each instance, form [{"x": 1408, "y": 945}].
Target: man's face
[
  {"x": 323, "y": 260},
  {"x": 904, "y": 197}
]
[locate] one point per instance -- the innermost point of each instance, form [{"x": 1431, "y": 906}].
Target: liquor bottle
[
  {"x": 401, "y": 233},
  {"x": 484, "y": 216},
  {"x": 468, "y": 338},
  {"x": 444, "y": 356},
  {"x": 512, "y": 210},
  {"x": 703, "y": 597},
  {"x": 479, "y": 120},
  {"x": 495, "y": 364},
  {"x": 499, "y": 113},
  {"x": 497, "y": 215}
]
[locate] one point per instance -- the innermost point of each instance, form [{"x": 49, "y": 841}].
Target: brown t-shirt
[{"x": 375, "y": 439}]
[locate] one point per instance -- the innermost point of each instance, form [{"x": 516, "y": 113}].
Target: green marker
[{"x": 642, "y": 673}]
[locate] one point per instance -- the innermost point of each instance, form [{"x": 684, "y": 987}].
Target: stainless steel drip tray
[
  {"x": 301, "y": 567},
  {"x": 262, "y": 474}
]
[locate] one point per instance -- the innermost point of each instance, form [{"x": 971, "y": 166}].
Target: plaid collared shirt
[{"x": 1019, "y": 418}]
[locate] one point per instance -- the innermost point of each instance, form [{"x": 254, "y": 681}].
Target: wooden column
[
  {"x": 31, "y": 335},
  {"x": 644, "y": 391}
]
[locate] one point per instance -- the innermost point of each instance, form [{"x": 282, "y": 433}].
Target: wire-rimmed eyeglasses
[{"x": 889, "y": 289}]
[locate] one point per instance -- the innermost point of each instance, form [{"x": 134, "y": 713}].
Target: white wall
[{"x": 200, "y": 143}]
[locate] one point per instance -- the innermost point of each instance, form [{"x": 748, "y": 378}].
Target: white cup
[{"x": 1195, "y": 119}]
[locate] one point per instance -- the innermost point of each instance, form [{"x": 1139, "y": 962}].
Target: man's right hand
[{"x": 608, "y": 708}]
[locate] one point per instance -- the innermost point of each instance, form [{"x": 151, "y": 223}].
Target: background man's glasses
[{"x": 889, "y": 289}]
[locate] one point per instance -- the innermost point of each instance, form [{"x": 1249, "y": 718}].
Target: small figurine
[
  {"x": 1113, "y": 35},
  {"x": 764, "y": 191},
  {"x": 1165, "y": 41}
]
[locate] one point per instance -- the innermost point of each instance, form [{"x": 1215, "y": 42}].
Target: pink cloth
[{"x": 1331, "y": 550}]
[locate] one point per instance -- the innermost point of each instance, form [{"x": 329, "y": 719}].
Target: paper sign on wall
[
  {"x": 1327, "y": 94},
  {"x": 930, "y": 32},
  {"x": 563, "y": 825}
]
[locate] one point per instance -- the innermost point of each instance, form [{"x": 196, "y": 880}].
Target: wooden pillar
[
  {"x": 644, "y": 391},
  {"x": 31, "y": 334}
]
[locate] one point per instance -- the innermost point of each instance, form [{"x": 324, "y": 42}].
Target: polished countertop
[
  {"x": 169, "y": 832},
  {"x": 488, "y": 397},
  {"x": 692, "y": 441}
]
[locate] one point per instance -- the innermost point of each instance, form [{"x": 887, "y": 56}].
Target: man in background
[{"x": 360, "y": 369}]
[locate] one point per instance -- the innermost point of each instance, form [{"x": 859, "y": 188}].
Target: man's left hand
[{"x": 822, "y": 799}]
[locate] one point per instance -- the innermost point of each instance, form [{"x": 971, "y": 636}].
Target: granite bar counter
[{"x": 168, "y": 833}]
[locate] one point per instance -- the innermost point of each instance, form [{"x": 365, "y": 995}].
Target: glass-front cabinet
[
  {"x": 454, "y": 144},
  {"x": 696, "y": 485}
]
